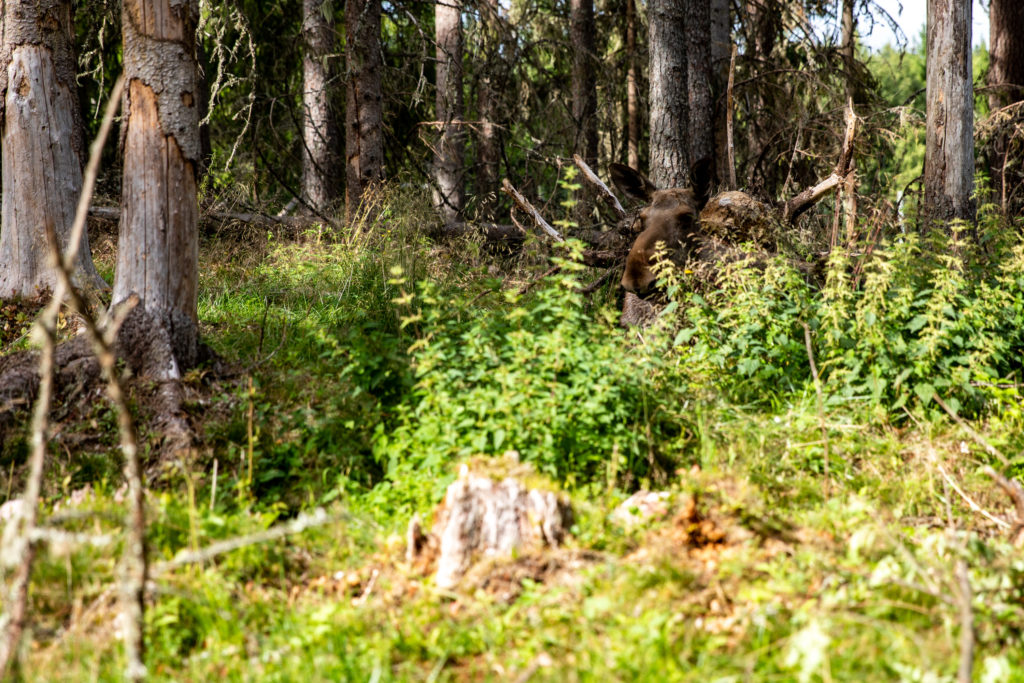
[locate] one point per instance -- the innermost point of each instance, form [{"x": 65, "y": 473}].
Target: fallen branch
[
  {"x": 728, "y": 120},
  {"x": 989, "y": 448},
  {"x": 606, "y": 194},
  {"x": 1016, "y": 493},
  {"x": 529, "y": 209},
  {"x": 304, "y": 521},
  {"x": 967, "y": 499}
]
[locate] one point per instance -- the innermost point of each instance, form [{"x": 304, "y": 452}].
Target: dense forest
[{"x": 525, "y": 340}]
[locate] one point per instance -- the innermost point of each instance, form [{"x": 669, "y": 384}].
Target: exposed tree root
[{"x": 151, "y": 347}]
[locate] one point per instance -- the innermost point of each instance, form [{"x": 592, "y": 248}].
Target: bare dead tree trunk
[
  {"x": 668, "y": 93},
  {"x": 1006, "y": 79},
  {"x": 584, "y": 81},
  {"x": 699, "y": 76},
  {"x": 449, "y": 110},
  {"x": 949, "y": 139},
  {"x": 321, "y": 138},
  {"x": 42, "y": 145},
  {"x": 158, "y": 249},
  {"x": 632, "y": 87},
  {"x": 846, "y": 48},
  {"x": 364, "y": 141}
]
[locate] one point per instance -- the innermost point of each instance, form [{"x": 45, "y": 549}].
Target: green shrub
[{"x": 539, "y": 376}]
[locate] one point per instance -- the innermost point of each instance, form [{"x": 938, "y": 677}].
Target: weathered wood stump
[{"x": 481, "y": 518}]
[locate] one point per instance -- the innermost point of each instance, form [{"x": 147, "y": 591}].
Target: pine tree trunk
[
  {"x": 699, "y": 76},
  {"x": 42, "y": 146},
  {"x": 488, "y": 144},
  {"x": 158, "y": 249},
  {"x": 364, "y": 141},
  {"x": 669, "y": 113},
  {"x": 321, "y": 138},
  {"x": 632, "y": 87},
  {"x": 721, "y": 50},
  {"x": 584, "y": 82},
  {"x": 949, "y": 140},
  {"x": 449, "y": 111},
  {"x": 1006, "y": 78}
]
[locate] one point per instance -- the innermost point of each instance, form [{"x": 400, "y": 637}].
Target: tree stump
[{"x": 481, "y": 518}]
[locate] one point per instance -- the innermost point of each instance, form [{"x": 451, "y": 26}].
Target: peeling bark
[
  {"x": 949, "y": 136},
  {"x": 158, "y": 246},
  {"x": 42, "y": 146}
]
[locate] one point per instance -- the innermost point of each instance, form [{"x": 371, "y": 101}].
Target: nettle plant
[
  {"x": 924, "y": 320},
  {"x": 538, "y": 375}
]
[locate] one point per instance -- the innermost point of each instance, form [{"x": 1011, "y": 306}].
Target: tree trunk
[
  {"x": 449, "y": 112},
  {"x": 158, "y": 249},
  {"x": 584, "y": 82},
  {"x": 42, "y": 146},
  {"x": 1006, "y": 78},
  {"x": 721, "y": 50},
  {"x": 699, "y": 76},
  {"x": 488, "y": 144},
  {"x": 949, "y": 140},
  {"x": 632, "y": 87},
  {"x": 364, "y": 141},
  {"x": 846, "y": 49},
  {"x": 321, "y": 172},
  {"x": 669, "y": 114}
]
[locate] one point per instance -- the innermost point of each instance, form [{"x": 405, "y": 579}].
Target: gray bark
[
  {"x": 321, "y": 172},
  {"x": 949, "y": 139},
  {"x": 846, "y": 49},
  {"x": 449, "y": 110},
  {"x": 42, "y": 146},
  {"x": 364, "y": 141},
  {"x": 584, "y": 81},
  {"x": 699, "y": 76},
  {"x": 669, "y": 110},
  {"x": 158, "y": 248}
]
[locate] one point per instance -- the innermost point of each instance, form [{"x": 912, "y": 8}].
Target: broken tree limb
[
  {"x": 529, "y": 209},
  {"x": 606, "y": 194},
  {"x": 808, "y": 198},
  {"x": 796, "y": 206},
  {"x": 1016, "y": 493}
]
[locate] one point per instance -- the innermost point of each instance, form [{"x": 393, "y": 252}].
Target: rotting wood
[{"x": 484, "y": 518}]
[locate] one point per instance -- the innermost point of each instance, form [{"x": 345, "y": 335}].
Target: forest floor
[{"x": 796, "y": 541}]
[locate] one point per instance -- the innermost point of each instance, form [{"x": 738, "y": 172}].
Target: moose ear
[
  {"x": 702, "y": 177},
  {"x": 633, "y": 182}
]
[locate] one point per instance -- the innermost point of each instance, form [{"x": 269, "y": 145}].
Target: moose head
[{"x": 671, "y": 217}]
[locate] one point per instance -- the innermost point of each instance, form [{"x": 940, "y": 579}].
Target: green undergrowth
[{"x": 363, "y": 371}]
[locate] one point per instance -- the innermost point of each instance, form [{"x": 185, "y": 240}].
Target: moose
[{"x": 690, "y": 224}]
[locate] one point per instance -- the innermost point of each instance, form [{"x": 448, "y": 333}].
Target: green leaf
[{"x": 924, "y": 391}]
